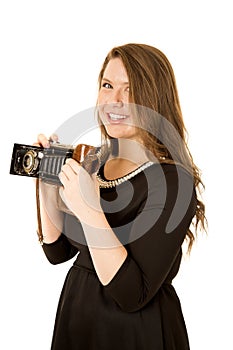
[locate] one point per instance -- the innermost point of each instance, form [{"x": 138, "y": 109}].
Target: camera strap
[{"x": 39, "y": 229}]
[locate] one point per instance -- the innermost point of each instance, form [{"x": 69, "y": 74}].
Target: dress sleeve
[
  {"x": 156, "y": 237},
  {"x": 59, "y": 251}
]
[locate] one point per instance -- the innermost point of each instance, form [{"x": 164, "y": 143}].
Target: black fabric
[{"x": 139, "y": 309}]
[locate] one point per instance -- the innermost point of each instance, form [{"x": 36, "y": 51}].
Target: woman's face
[{"x": 113, "y": 101}]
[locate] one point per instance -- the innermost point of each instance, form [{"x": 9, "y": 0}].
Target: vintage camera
[{"x": 46, "y": 163}]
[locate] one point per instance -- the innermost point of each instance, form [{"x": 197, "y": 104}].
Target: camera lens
[{"x": 30, "y": 162}]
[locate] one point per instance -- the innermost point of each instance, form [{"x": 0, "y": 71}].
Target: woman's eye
[{"x": 107, "y": 85}]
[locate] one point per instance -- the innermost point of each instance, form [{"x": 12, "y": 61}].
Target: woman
[{"x": 129, "y": 220}]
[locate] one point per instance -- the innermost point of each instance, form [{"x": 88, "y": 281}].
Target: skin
[
  {"x": 80, "y": 191},
  {"x": 113, "y": 98}
]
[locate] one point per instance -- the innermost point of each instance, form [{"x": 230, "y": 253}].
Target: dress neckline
[{"x": 104, "y": 183}]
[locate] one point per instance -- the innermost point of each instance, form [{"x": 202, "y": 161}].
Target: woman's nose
[{"x": 117, "y": 96}]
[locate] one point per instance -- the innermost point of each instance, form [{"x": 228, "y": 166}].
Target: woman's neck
[
  {"x": 131, "y": 155},
  {"x": 132, "y": 151}
]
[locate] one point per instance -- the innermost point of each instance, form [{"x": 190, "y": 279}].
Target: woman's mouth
[{"x": 116, "y": 118}]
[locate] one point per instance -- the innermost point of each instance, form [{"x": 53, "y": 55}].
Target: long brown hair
[{"x": 153, "y": 85}]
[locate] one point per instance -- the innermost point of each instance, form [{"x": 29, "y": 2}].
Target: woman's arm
[
  {"x": 51, "y": 217},
  {"x": 55, "y": 245},
  {"x": 80, "y": 194},
  {"x": 107, "y": 253}
]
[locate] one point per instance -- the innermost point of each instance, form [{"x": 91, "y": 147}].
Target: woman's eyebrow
[{"x": 109, "y": 81}]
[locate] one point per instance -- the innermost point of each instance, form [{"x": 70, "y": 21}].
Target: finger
[
  {"x": 68, "y": 171},
  {"x": 43, "y": 140},
  {"x": 53, "y": 138},
  {"x": 73, "y": 164},
  {"x": 63, "y": 178}
]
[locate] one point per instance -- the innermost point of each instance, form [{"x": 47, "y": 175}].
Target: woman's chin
[{"x": 118, "y": 131}]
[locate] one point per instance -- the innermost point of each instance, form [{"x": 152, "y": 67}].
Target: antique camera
[{"x": 46, "y": 163}]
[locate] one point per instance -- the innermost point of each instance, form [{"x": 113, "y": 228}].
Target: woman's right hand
[{"x": 42, "y": 141}]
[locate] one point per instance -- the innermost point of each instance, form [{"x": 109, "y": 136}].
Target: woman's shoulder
[
  {"x": 170, "y": 179},
  {"x": 169, "y": 170}
]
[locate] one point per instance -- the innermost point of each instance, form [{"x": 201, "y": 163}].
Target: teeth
[{"x": 117, "y": 116}]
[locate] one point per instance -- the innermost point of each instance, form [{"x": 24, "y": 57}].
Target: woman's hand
[
  {"x": 43, "y": 141},
  {"x": 80, "y": 191}
]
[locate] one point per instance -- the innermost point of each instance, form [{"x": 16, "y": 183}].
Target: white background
[{"x": 51, "y": 54}]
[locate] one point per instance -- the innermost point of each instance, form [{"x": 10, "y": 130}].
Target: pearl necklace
[{"x": 113, "y": 183}]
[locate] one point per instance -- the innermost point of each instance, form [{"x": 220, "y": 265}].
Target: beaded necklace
[{"x": 113, "y": 183}]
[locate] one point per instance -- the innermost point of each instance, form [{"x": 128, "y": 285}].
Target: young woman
[{"x": 128, "y": 221}]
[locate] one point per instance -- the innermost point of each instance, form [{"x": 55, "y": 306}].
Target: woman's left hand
[{"x": 80, "y": 191}]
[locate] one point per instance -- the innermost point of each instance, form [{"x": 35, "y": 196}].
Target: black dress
[{"x": 139, "y": 309}]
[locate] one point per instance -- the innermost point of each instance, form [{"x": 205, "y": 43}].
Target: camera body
[{"x": 46, "y": 163}]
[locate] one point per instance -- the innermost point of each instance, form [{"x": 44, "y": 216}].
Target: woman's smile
[{"x": 116, "y": 118}]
